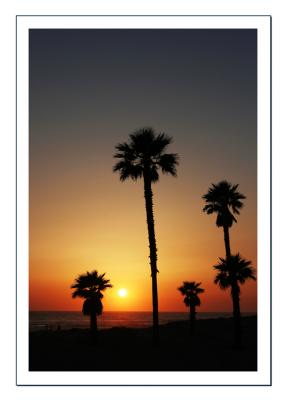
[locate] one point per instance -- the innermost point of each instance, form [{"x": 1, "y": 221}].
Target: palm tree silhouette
[
  {"x": 232, "y": 272},
  {"x": 142, "y": 157},
  {"x": 89, "y": 287},
  {"x": 223, "y": 198},
  {"x": 190, "y": 291}
]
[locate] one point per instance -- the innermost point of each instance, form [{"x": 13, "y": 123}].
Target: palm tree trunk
[
  {"x": 226, "y": 241},
  {"x": 192, "y": 319},
  {"x": 153, "y": 253},
  {"x": 234, "y": 294},
  {"x": 93, "y": 324},
  {"x": 236, "y": 314}
]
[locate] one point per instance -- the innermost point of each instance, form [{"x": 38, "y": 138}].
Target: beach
[{"x": 210, "y": 348}]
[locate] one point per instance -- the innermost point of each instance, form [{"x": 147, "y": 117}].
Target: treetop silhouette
[
  {"x": 90, "y": 286},
  {"x": 232, "y": 272},
  {"x": 224, "y": 200},
  {"x": 191, "y": 291}
]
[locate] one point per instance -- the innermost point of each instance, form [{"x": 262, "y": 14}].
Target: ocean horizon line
[
  {"x": 149, "y": 311},
  {"x": 109, "y": 319}
]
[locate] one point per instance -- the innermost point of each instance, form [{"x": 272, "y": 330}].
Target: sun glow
[{"x": 122, "y": 292}]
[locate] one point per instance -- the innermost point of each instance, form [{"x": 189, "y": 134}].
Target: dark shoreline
[{"x": 130, "y": 349}]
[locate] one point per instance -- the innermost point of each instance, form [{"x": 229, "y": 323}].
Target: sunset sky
[{"x": 89, "y": 89}]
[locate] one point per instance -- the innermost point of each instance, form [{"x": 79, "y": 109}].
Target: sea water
[{"x": 45, "y": 320}]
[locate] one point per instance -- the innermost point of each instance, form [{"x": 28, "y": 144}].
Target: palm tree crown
[
  {"x": 89, "y": 287},
  {"x": 144, "y": 153},
  {"x": 232, "y": 270},
  {"x": 191, "y": 291},
  {"x": 223, "y": 198}
]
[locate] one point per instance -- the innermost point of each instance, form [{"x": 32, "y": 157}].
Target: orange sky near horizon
[
  {"x": 104, "y": 228},
  {"x": 87, "y": 94}
]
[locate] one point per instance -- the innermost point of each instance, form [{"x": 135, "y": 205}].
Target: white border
[{"x": 262, "y": 377}]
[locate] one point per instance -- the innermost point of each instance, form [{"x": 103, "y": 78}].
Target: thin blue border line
[
  {"x": 270, "y": 201},
  {"x": 174, "y": 385},
  {"x": 16, "y": 242},
  {"x": 143, "y": 15},
  {"x": 183, "y": 385}
]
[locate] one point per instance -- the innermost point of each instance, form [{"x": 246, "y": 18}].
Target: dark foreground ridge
[{"x": 126, "y": 349}]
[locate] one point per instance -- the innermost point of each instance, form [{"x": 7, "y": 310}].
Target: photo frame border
[{"x": 270, "y": 186}]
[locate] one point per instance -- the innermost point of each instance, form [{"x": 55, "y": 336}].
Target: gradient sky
[{"x": 89, "y": 89}]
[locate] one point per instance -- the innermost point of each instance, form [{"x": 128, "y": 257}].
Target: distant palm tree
[
  {"x": 224, "y": 199},
  {"x": 233, "y": 272},
  {"x": 191, "y": 290},
  {"x": 142, "y": 157},
  {"x": 89, "y": 287}
]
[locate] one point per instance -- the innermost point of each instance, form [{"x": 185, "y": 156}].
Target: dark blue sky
[{"x": 198, "y": 85}]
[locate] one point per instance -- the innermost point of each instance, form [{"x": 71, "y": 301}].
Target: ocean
[{"x": 45, "y": 320}]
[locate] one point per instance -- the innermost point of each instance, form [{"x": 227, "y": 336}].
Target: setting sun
[{"x": 122, "y": 292}]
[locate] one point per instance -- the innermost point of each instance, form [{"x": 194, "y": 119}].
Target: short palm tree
[
  {"x": 143, "y": 156},
  {"x": 90, "y": 286},
  {"x": 190, "y": 291},
  {"x": 224, "y": 200},
  {"x": 231, "y": 273}
]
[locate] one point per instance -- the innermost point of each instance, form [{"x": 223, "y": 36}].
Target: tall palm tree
[
  {"x": 143, "y": 156},
  {"x": 232, "y": 272},
  {"x": 190, "y": 291},
  {"x": 90, "y": 286},
  {"x": 224, "y": 200}
]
